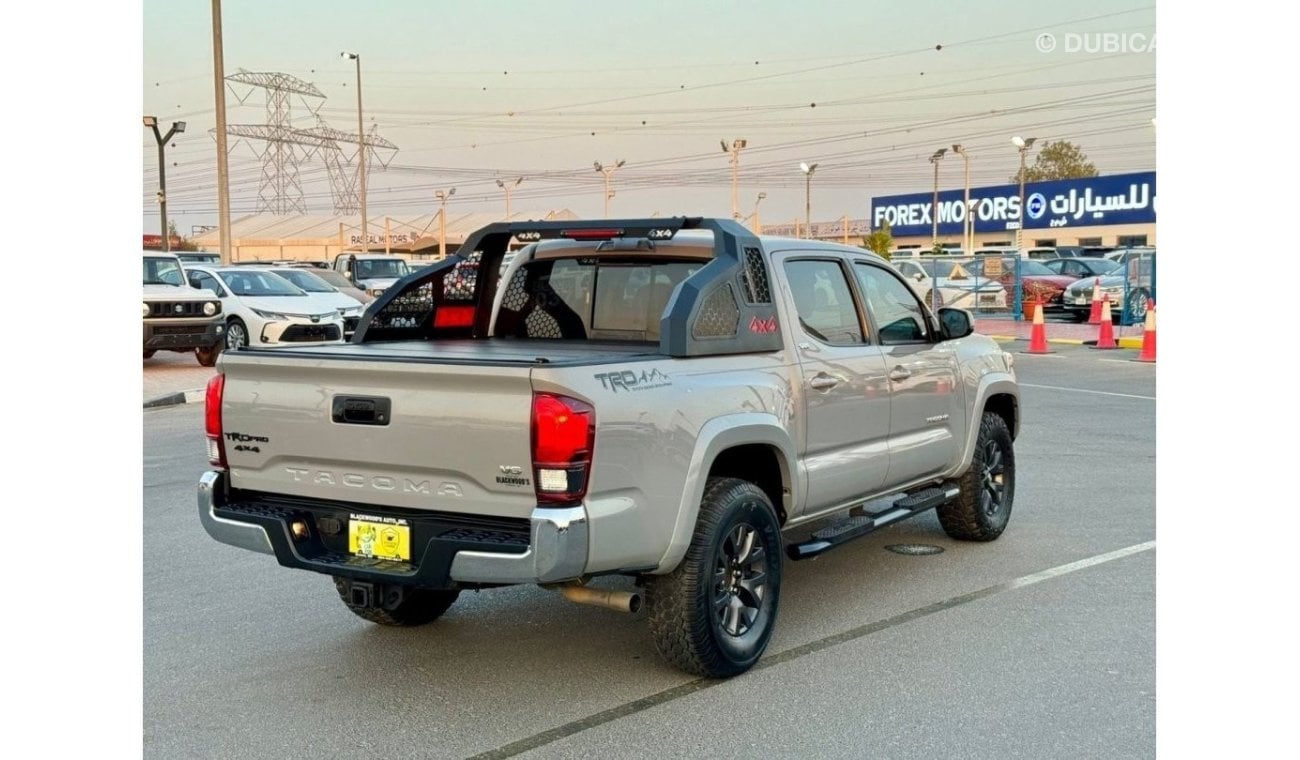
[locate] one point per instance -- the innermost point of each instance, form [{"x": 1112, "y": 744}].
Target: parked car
[
  {"x": 176, "y": 316},
  {"x": 1037, "y": 281},
  {"x": 309, "y": 279},
  {"x": 341, "y": 283},
  {"x": 372, "y": 272},
  {"x": 1083, "y": 266},
  {"x": 198, "y": 257},
  {"x": 953, "y": 285},
  {"x": 1074, "y": 251},
  {"x": 1042, "y": 254},
  {"x": 264, "y": 309},
  {"x": 1130, "y": 286}
]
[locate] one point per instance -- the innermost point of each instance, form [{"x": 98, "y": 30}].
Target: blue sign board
[{"x": 1087, "y": 202}]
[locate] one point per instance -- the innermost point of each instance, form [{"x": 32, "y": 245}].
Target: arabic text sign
[{"x": 1112, "y": 199}]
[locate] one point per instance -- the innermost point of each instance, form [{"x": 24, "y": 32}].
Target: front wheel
[
  {"x": 1136, "y": 308},
  {"x": 981, "y": 511},
  {"x": 714, "y": 615},
  {"x": 236, "y": 335},
  {"x": 208, "y": 356}
]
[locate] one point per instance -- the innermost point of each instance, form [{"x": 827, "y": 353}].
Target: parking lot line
[
  {"x": 1085, "y": 390},
  {"x": 691, "y": 687}
]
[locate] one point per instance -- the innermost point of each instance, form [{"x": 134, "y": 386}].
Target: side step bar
[{"x": 855, "y": 527}]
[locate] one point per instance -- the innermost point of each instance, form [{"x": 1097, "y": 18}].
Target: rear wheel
[
  {"x": 981, "y": 511},
  {"x": 394, "y": 605},
  {"x": 714, "y": 615}
]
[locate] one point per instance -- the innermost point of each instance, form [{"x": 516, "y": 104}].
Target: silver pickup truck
[{"x": 674, "y": 400}]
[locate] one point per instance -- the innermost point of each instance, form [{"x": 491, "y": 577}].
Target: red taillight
[
  {"x": 564, "y": 435},
  {"x": 454, "y": 316},
  {"x": 602, "y": 234},
  {"x": 212, "y": 420}
]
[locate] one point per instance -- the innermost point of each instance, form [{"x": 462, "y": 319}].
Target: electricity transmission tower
[{"x": 285, "y": 148}]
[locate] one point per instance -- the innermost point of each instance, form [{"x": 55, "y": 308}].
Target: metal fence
[{"x": 1009, "y": 286}]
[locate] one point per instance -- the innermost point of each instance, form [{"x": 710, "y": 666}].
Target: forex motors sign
[{"x": 1113, "y": 199}]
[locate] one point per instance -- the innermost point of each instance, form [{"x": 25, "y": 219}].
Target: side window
[
  {"x": 824, "y": 302},
  {"x": 206, "y": 282},
  {"x": 893, "y": 307}
]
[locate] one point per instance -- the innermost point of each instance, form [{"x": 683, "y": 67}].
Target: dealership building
[{"x": 1110, "y": 210}]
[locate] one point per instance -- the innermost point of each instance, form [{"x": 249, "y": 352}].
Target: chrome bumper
[
  {"x": 557, "y": 548},
  {"x": 557, "y": 551}
]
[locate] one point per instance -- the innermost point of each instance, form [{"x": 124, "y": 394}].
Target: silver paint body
[{"x": 896, "y": 417}]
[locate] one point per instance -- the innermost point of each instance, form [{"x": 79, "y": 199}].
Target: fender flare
[
  {"x": 992, "y": 384},
  {"x": 718, "y": 435}
]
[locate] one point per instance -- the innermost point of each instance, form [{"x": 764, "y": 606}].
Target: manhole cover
[{"x": 914, "y": 549}]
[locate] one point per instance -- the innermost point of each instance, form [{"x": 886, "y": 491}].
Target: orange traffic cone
[
  {"x": 1094, "y": 316},
  {"x": 1149, "y": 336},
  {"x": 1038, "y": 336},
  {"x": 1106, "y": 333}
]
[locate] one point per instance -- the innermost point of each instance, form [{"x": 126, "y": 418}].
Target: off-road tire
[
  {"x": 688, "y": 610},
  {"x": 207, "y": 357},
  {"x": 976, "y": 514},
  {"x": 400, "y": 606}
]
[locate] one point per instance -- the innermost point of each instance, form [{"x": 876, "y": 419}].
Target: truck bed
[{"x": 481, "y": 351}]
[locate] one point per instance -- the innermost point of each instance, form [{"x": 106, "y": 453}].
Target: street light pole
[
  {"x": 608, "y": 171},
  {"x": 177, "y": 126},
  {"x": 223, "y": 169},
  {"x": 361, "y": 140},
  {"x": 757, "y": 225},
  {"x": 508, "y": 187},
  {"x": 1023, "y": 144},
  {"x": 934, "y": 209},
  {"x": 808, "y": 170},
  {"x": 736, "y": 146},
  {"x": 442, "y": 221},
  {"x": 968, "y": 224}
]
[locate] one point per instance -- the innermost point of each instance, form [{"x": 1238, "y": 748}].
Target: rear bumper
[{"x": 451, "y": 550}]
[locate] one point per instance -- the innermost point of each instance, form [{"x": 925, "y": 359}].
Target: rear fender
[{"x": 718, "y": 435}]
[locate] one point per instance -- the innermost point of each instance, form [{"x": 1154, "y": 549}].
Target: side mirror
[
  {"x": 955, "y": 323},
  {"x": 918, "y": 276}
]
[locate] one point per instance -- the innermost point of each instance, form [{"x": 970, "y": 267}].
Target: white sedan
[
  {"x": 264, "y": 309},
  {"x": 349, "y": 308},
  {"x": 940, "y": 281}
]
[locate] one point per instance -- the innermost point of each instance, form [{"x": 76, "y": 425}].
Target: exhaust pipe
[{"x": 619, "y": 601}]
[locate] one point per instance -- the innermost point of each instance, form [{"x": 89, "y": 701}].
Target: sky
[{"x": 474, "y": 92}]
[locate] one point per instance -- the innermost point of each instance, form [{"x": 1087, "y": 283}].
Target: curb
[
  {"x": 1127, "y": 342},
  {"x": 175, "y": 399}
]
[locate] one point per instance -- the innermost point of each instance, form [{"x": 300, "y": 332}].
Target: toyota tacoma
[{"x": 677, "y": 401}]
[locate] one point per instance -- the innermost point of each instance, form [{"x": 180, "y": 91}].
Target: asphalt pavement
[{"x": 1040, "y": 644}]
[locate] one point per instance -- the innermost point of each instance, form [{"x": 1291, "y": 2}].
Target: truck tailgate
[{"x": 450, "y": 439}]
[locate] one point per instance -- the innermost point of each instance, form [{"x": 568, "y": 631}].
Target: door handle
[
  {"x": 823, "y": 382},
  {"x": 900, "y": 373}
]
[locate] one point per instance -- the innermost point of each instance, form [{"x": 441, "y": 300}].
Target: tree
[
  {"x": 880, "y": 241},
  {"x": 185, "y": 243},
  {"x": 1058, "y": 160}
]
